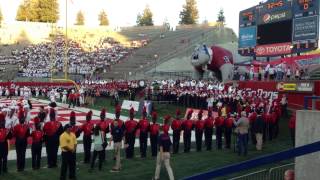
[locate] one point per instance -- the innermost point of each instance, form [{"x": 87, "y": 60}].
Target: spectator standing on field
[{"x": 163, "y": 156}]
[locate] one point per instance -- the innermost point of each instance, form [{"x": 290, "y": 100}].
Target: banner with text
[
  {"x": 305, "y": 28},
  {"x": 247, "y": 37},
  {"x": 273, "y": 49},
  {"x": 306, "y": 87},
  {"x": 274, "y": 17},
  {"x": 126, "y": 104}
]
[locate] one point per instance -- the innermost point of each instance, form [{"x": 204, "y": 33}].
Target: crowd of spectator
[
  {"x": 278, "y": 72},
  {"x": 41, "y": 60}
]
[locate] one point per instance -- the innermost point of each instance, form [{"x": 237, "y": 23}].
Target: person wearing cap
[
  {"x": 258, "y": 127},
  {"x": 117, "y": 135},
  {"x": 176, "y": 127},
  {"x": 104, "y": 127},
  {"x": 252, "y": 119},
  {"x": 208, "y": 130},
  {"x": 154, "y": 133},
  {"x": 37, "y": 140},
  {"x": 292, "y": 127},
  {"x": 74, "y": 128},
  {"x": 166, "y": 124},
  {"x": 187, "y": 127},
  {"x": 144, "y": 128},
  {"x": 130, "y": 134},
  {"x": 52, "y": 131},
  {"x": 72, "y": 99},
  {"x": 218, "y": 123},
  {"x": 163, "y": 157},
  {"x": 42, "y": 114},
  {"x": 228, "y": 125},
  {"x": 68, "y": 145},
  {"x": 242, "y": 129},
  {"x": 5, "y": 135},
  {"x": 87, "y": 129},
  {"x": 21, "y": 132},
  {"x": 199, "y": 126}
]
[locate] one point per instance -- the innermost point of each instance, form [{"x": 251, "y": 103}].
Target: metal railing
[
  {"x": 260, "y": 161},
  {"x": 277, "y": 173},
  {"x": 261, "y": 175}
]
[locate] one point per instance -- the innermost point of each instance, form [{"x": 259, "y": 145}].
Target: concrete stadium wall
[
  {"x": 295, "y": 99},
  {"x": 307, "y": 131}
]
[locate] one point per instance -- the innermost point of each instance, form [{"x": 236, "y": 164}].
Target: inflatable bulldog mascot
[{"x": 215, "y": 59}]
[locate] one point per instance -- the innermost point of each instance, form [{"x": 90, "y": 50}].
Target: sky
[{"x": 124, "y": 12}]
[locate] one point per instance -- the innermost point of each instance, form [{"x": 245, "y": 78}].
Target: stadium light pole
[
  {"x": 155, "y": 59},
  {"x": 66, "y": 45}
]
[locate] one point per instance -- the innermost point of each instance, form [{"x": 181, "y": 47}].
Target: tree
[
  {"x": 22, "y": 13},
  {"x": 38, "y": 11},
  {"x": 189, "y": 13},
  {"x": 103, "y": 18},
  {"x": 80, "y": 18},
  {"x": 146, "y": 18},
  {"x": 221, "y": 17},
  {"x": 28, "y": 10},
  {"x": 48, "y": 11}
]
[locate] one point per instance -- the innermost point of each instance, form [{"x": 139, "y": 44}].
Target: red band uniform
[
  {"x": 130, "y": 134},
  {"x": 87, "y": 129},
  {"x": 219, "y": 130},
  {"x": 143, "y": 126},
  {"x": 199, "y": 126},
  {"x": 154, "y": 133},
  {"x": 21, "y": 133},
  {"x": 228, "y": 124},
  {"x": 176, "y": 127},
  {"x": 208, "y": 130},
  {"x": 187, "y": 127},
  {"x": 5, "y": 135},
  {"x": 37, "y": 140},
  {"x": 104, "y": 126},
  {"x": 52, "y": 131}
]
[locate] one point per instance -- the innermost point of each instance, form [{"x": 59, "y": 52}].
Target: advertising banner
[
  {"x": 273, "y": 49},
  {"x": 305, "y": 28},
  {"x": 271, "y": 17},
  {"x": 128, "y": 104},
  {"x": 247, "y": 37},
  {"x": 308, "y": 62},
  {"x": 306, "y": 87}
]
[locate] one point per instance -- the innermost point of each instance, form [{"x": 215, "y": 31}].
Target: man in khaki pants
[
  {"x": 117, "y": 134},
  {"x": 164, "y": 156}
]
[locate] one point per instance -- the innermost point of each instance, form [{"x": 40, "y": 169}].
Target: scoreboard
[
  {"x": 279, "y": 27},
  {"x": 305, "y": 8}
]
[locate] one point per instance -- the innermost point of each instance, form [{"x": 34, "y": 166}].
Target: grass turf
[{"x": 183, "y": 164}]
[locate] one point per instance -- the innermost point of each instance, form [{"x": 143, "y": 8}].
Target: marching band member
[
  {"x": 21, "y": 132},
  {"x": 5, "y": 135}
]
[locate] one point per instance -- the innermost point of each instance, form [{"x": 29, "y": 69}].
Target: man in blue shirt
[
  {"x": 117, "y": 135},
  {"x": 163, "y": 156}
]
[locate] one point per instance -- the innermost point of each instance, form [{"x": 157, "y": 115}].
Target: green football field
[{"x": 183, "y": 164}]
